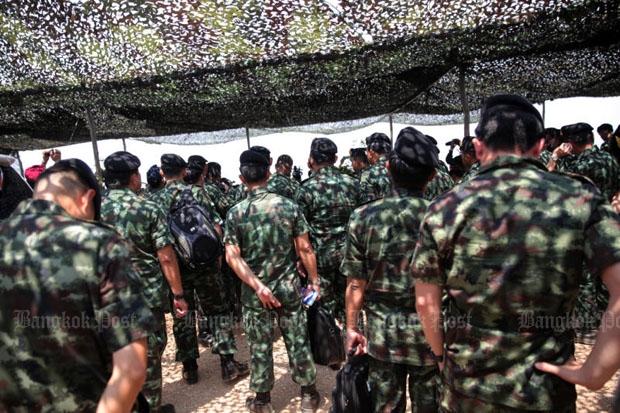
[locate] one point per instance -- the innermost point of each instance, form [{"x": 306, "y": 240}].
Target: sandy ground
[{"x": 210, "y": 394}]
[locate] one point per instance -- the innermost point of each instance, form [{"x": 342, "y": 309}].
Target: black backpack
[
  {"x": 352, "y": 393},
  {"x": 196, "y": 242},
  {"x": 326, "y": 341}
]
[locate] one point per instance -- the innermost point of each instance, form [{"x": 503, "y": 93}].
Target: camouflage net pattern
[{"x": 144, "y": 68}]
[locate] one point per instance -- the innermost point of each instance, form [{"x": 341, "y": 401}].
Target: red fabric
[{"x": 33, "y": 172}]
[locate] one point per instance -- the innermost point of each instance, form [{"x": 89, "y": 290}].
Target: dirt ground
[{"x": 210, "y": 394}]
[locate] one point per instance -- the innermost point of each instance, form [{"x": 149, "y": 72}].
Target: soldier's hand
[
  {"x": 356, "y": 339},
  {"x": 267, "y": 298},
  {"x": 571, "y": 371},
  {"x": 301, "y": 269},
  {"x": 180, "y": 308}
]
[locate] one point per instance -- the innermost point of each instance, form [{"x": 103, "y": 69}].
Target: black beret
[
  {"x": 253, "y": 158},
  {"x": 514, "y": 101},
  {"x": 577, "y": 132},
  {"x": 467, "y": 146},
  {"x": 153, "y": 176},
  {"x": 86, "y": 175},
  {"x": 196, "y": 162},
  {"x": 262, "y": 150},
  {"x": 357, "y": 153},
  {"x": 173, "y": 160},
  {"x": 415, "y": 148},
  {"x": 378, "y": 137},
  {"x": 121, "y": 161},
  {"x": 323, "y": 146}
]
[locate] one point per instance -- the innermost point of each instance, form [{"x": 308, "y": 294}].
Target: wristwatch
[
  {"x": 554, "y": 157},
  {"x": 438, "y": 358},
  {"x": 179, "y": 296}
]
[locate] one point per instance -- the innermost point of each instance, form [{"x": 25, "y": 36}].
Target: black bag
[
  {"x": 352, "y": 393},
  {"x": 326, "y": 339},
  {"x": 196, "y": 242}
]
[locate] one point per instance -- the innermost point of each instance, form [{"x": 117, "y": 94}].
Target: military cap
[
  {"x": 121, "y": 162},
  {"x": 323, "y": 146},
  {"x": 357, "y": 153},
  {"x": 467, "y": 146},
  {"x": 253, "y": 158},
  {"x": 415, "y": 148},
  {"x": 86, "y": 176},
  {"x": 577, "y": 132},
  {"x": 153, "y": 176},
  {"x": 196, "y": 162},
  {"x": 515, "y": 101},
  {"x": 378, "y": 137},
  {"x": 262, "y": 150},
  {"x": 173, "y": 160}
]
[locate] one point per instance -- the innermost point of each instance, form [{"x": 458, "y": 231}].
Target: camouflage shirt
[
  {"x": 375, "y": 180},
  {"x": 202, "y": 197},
  {"x": 264, "y": 226},
  {"x": 600, "y": 167},
  {"x": 282, "y": 185},
  {"x": 218, "y": 197},
  {"x": 70, "y": 298},
  {"x": 439, "y": 184},
  {"x": 143, "y": 223},
  {"x": 509, "y": 246},
  {"x": 380, "y": 243},
  {"x": 327, "y": 199},
  {"x": 471, "y": 171}
]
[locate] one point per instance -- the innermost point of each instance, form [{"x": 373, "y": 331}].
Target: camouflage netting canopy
[{"x": 147, "y": 68}]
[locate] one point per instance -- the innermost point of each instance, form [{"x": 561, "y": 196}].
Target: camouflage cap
[
  {"x": 253, "y": 158},
  {"x": 324, "y": 146},
  {"x": 173, "y": 160},
  {"x": 415, "y": 148},
  {"x": 578, "y": 133},
  {"x": 121, "y": 161},
  {"x": 378, "y": 137}
]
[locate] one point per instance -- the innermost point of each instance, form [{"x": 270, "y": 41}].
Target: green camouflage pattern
[
  {"x": 236, "y": 193},
  {"x": 327, "y": 199},
  {"x": 218, "y": 197},
  {"x": 203, "y": 198},
  {"x": 156, "y": 344},
  {"x": 471, "y": 172},
  {"x": 381, "y": 237},
  {"x": 600, "y": 167},
  {"x": 264, "y": 226},
  {"x": 375, "y": 180},
  {"x": 70, "y": 299},
  {"x": 143, "y": 224},
  {"x": 281, "y": 184},
  {"x": 438, "y": 185},
  {"x": 509, "y": 246},
  {"x": 259, "y": 325},
  {"x": 389, "y": 382}
]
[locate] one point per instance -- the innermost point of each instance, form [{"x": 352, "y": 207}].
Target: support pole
[
  {"x": 464, "y": 103},
  {"x": 124, "y": 145},
  {"x": 93, "y": 139},
  {"x": 247, "y": 136},
  {"x": 391, "y": 129}
]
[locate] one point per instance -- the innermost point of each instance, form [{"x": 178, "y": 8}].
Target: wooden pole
[
  {"x": 464, "y": 103},
  {"x": 391, "y": 129},
  {"x": 124, "y": 145},
  {"x": 247, "y": 136},
  {"x": 93, "y": 139}
]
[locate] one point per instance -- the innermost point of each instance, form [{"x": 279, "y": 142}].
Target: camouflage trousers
[
  {"x": 333, "y": 290},
  {"x": 453, "y": 402},
  {"x": 589, "y": 308},
  {"x": 209, "y": 288},
  {"x": 388, "y": 386},
  {"x": 259, "y": 325},
  {"x": 156, "y": 344}
]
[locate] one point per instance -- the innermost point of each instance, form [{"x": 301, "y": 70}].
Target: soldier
[
  {"x": 212, "y": 187},
  {"x": 381, "y": 238},
  {"x": 442, "y": 181},
  {"x": 143, "y": 224},
  {"x": 154, "y": 179},
  {"x": 262, "y": 254},
  {"x": 327, "y": 199},
  {"x": 359, "y": 160},
  {"x": 375, "y": 181},
  {"x": 281, "y": 182},
  {"x": 74, "y": 322},
  {"x": 508, "y": 247},
  {"x": 471, "y": 164},
  {"x": 240, "y": 192},
  {"x": 204, "y": 283},
  {"x": 591, "y": 162}
]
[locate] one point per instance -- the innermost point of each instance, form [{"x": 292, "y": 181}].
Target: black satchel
[
  {"x": 352, "y": 393},
  {"x": 326, "y": 339}
]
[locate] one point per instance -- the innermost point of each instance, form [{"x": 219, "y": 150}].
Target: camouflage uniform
[
  {"x": 237, "y": 193},
  {"x": 70, "y": 299},
  {"x": 143, "y": 224},
  {"x": 471, "y": 171},
  {"x": 281, "y": 184},
  {"x": 509, "y": 246},
  {"x": 218, "y": 197},
  {"x": 380, "y": 243},
  {"x": 268, "y": 249},
  {"x": 375, "y": 181},
  {"x": 207, "y": 284},
  {"x": 438, "y": 185},
  {"x": 599, "y": 166},
  {"x": 327, "y": 199}
]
